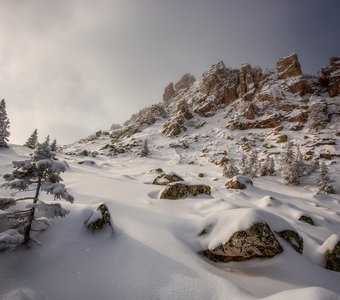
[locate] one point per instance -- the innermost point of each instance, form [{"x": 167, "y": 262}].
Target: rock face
[
  {"x": 332, "y": 258},
  {"x": 169, "y": 92},
  {"x": 185, "y": 82},
  {"x": 258, "y": 241},
  {"x": 180, "y": 190},
  {"x": 100, "y": 218},
  {"x": 293, "y": 238},
  {"x": 249, "y": 80},
  {"x": 330, "y": 77},
  {"x": 165, "y": 179},
  {"x": 239, "y": 182},
  {"x": 288, "y": 67}
]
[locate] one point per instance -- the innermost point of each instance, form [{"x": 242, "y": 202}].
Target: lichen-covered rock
[
  {"x": 178, "y": 190},
  {"x": 288, "y": 66},
  {"x": 239, "y": 182},
  {"x": 307, "y": 219},
  {"x": 293, "y": 238},
  {"x": 332, "y": 258},
  {"x": 99, "y": 218},
  {"x": 165, "y": 179},
  {"x": 283, "y": 138},
  {"x": 258, "y": 241}
]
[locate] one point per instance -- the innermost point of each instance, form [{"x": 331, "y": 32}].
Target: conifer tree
[
  {"x": 324, "y": 181},
  {"x": 253, "y": 163},
  {"x": 42, "y": 173},
  {"x": 229, "y": 169},
  {"x": 32, "y": 140},
  {"x": 300, "y": 164},
  {"x": 268, "y": 166},
  {"x": 243, "y": 165},
  {"x": 54, "y": 146},
  {"x": 145, "y": 150},
  {"x": 289, "y": 171},
  {"x": 47, "y": 140},
  {"x": 4, "y": 125}
]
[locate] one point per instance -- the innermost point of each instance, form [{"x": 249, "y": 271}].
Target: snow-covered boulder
[
  {"x": 258, "y": 241},
  {"x": 165, "y": 179},
  {"x": 99, "y": 218},
  {"x": 332, "y": 258},
  {"x": 178, "y": 190},
  {"x": 239, "y": 182},
  {"x": 293, "y": 238},
  {"x": 10, "y": 239}
]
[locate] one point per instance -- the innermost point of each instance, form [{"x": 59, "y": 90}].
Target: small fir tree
[
  {"x": 145, "y": 150},
  {"x": 268, "y": 166},
  {"x": 243, "y": 165},
  {"x": 4, "y": 125},
  {"x": 54, "y": 146},
  {"x": 300, "y": 164},
  {"x": 42, "y": 173},
  {"x": 47, "y": 140},
  {"x": 324, "y": 181},
  {"x": 229, "y": 169},
  {"x": 32, "y": 140},
  {"x": 253, "y": 163},
  {"x": 289, "y": 168}
]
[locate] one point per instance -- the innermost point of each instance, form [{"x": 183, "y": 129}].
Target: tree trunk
[{"x": 31, "y": 216}]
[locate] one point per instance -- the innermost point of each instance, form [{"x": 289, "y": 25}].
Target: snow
[{"x": 153, "y": 253}]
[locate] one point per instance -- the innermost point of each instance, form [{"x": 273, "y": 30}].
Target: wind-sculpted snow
[{"x": 154, "y": 251}]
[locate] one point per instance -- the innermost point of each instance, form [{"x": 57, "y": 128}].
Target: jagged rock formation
[
  {"x": 330, "y": 77},
  {"x": 248, "y": 98}
]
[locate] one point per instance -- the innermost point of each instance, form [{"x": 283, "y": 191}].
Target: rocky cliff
[{"x": 282, "y": 99}]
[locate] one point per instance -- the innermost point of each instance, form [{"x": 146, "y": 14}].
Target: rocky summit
[{"x": 224, "y": 101}]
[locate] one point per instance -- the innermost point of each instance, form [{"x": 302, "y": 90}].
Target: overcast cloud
[{"x": 70, "y": 68}]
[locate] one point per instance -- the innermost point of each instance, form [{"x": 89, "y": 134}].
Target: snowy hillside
[
  {"x": 182, "y": 229},
  {"x": 153, "y": 253}
]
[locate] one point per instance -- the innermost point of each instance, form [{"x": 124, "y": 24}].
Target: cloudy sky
[{"x": 71, "y": 67}]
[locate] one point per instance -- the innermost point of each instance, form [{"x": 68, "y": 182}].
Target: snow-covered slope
[{"x": 153, "y": 253}]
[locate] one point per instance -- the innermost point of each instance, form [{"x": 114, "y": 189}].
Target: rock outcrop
[
  {"x": 293, "y": 238},
  {"x": 258, "y": 241},
  {"x": 99, "y": 218},
  {"x": 179, "y": 190},
  {"x": 165, "y": 179},
  {"x": 332, "y": 258},
  {"x": 288, "y": 67},
  {"x": 330, "y": 77},
  {"x": 239, "y": 182}
]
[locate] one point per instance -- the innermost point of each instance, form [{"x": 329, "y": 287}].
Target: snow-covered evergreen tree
[
  {"x": 249, "y": 164},
  {"x": 32, "y": 140},
  {"x": 54, "y": 146},
  {"x": 145, "y": 150},
  {"x": 243, "y": 165},
  {"x": 47, "y": 140},
  {"x": 253, "y": 163},
  {"x": 42, "y": 173},
  {"x": 267, "y": 168},
  {"x": 289, "y": 168},
  {"x": 300, "y": 164},
  {"x": 324, "y": 181},
  {"x": 229, "y": 169},
  {"x": 4, "y": 125}
]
